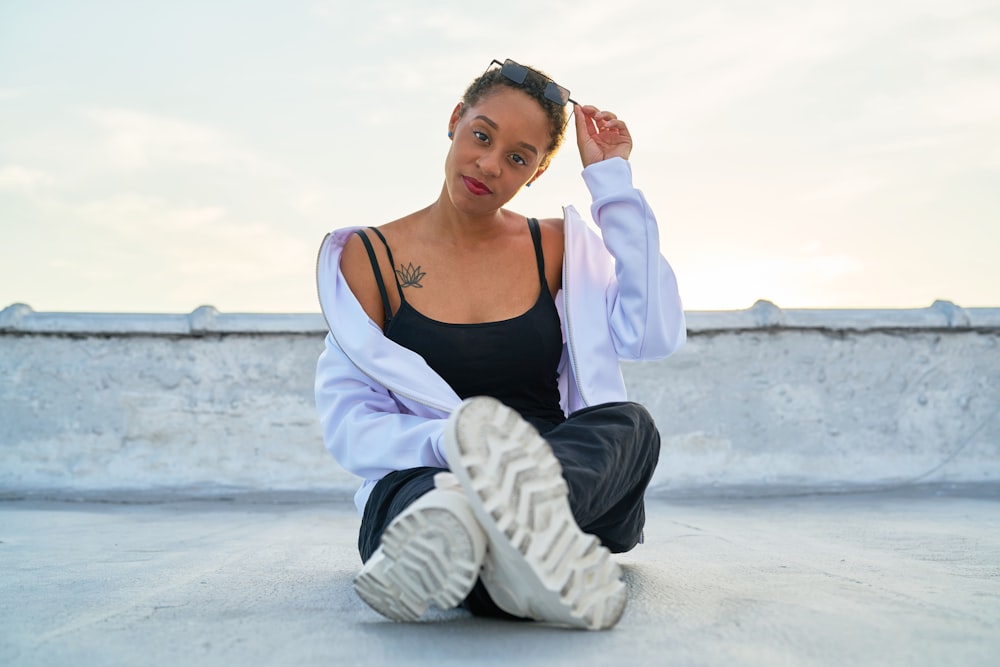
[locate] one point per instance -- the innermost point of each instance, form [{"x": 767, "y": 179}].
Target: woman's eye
[
  {"x": 480, "y": 135},
  {"x": 518, "y": 159}
]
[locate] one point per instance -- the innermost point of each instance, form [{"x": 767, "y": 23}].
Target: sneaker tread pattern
[{"x": 519, "y": 482}]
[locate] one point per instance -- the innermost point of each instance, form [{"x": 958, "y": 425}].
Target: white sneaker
[
  {"x": 539, "y": 563},
  {"x": 430, "y": 554}
]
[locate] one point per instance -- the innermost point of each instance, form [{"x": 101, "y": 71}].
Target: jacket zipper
[{"x": 569, "y": 327}]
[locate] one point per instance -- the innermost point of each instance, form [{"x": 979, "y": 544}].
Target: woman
[{"x": 507, "y": 502}]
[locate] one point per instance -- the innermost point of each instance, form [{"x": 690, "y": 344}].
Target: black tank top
[{"x": 515, "y": 361}]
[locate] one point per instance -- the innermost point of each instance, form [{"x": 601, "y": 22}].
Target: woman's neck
[{"x": 444, "y": 220}]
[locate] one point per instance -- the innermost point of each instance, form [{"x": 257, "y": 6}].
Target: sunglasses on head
[{"x": 519, "y": 73}]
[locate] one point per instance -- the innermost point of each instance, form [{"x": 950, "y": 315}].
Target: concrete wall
[{"x": 759, "y": 401}]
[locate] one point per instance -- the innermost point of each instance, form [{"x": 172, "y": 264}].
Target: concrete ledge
[
  {"x": 941, "y": 315},
  {"x": 760, "y": 401},
  {"x": 206, "y": 320}
]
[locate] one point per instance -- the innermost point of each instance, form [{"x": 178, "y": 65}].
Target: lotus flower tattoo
[{"x": 409, "y": 276}]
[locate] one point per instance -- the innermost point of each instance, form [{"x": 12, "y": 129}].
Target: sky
[{"x": 160, "y": 156}]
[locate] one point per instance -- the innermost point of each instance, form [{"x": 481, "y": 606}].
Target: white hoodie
[{"x": 381, "y": 406}]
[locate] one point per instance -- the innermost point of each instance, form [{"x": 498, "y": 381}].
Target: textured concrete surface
[
  {"x": 904, "y": 578},
  {"x": 208, "y": 404}
]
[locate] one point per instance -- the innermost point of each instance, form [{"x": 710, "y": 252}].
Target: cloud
[
  {"x": 17, "y": 178},
  {"x": 972, "y": 101},
  {"x": 7, "y": 94},
  {"x": 201, "y": 244},
  {"x": 809, "y": 276},
  {"x": 135, "y": 216},
  {"x": 845, "y": 186},
  {"x": 139, "y": 139}
]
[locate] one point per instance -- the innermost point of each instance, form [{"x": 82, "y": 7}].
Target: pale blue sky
[{"x": 157, "y": 156}]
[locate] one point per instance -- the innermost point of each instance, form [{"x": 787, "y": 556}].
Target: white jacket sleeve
[
  {"x": 365, "y": 427},
  {"x": 645, "y": 315}
]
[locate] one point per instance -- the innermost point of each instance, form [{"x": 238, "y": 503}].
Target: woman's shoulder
[
  {"x": 552, "y": 233},
  {"x": 552, "y": 249},
  {"x": 553, "y": 225},
  {"x": 364, "y": 259},
  {"x": 355, "y": 246}
]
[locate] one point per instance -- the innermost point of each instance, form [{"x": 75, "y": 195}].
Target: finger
[
  {"x": 585, "y": 126},
  {"x": 609, "y": 123},
  {"x": 580, "y": 122},
  {"x": 617, "y": 125},
  {"x": 605, "y": 119}
]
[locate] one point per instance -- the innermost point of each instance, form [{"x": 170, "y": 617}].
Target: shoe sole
[
  {"x": 426, "y": 557},
  {"x": 518, "y": 493}
]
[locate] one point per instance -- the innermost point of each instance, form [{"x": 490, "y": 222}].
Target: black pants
[{"x": 608, "y": 453}]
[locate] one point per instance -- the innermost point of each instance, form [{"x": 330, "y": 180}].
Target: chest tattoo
[{"x": 409, "y": 275}]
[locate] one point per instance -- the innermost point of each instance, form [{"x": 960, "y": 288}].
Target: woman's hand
[{"x": 600, "y": 135}]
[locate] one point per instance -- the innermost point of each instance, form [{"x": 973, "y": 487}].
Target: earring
[
  {"x": 527, "y": 185},
  {"x": 450, "y": 135}
]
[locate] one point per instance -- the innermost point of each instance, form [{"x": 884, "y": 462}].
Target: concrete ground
[{"x": 896, "y": 578}]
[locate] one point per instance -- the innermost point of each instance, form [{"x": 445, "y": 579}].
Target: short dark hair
[{"x": 534, "y": 87}]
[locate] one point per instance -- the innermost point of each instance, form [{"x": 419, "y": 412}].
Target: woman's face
[{"x": 497, "y": 147}]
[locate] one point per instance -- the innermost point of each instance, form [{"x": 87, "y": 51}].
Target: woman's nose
[{"x": 489, "y": 164}]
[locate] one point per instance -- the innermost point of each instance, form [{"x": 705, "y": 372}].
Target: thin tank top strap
[
  {"x": 392, "y": 263},
  {"x": 536, "y": 238},
  {"x": 378, "y": 275}
]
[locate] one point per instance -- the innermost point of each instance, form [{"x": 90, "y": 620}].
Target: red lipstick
[{"x": 475, "y": 187}]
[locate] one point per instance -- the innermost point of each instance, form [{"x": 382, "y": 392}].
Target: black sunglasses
[{"x": 518, "y": 73}]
